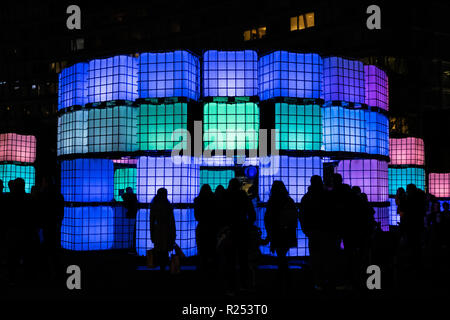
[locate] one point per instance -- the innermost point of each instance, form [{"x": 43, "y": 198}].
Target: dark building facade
[{"x": 411, "y": 47}]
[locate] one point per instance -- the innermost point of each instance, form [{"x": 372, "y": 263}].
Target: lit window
[
  {"x": 302, "y": 21},
  {"x": 254, "y": 34}
]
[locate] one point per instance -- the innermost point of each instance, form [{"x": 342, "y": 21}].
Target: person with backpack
[{"x": 281, "y": 220}]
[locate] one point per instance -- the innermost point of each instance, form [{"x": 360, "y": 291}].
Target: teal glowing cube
[
  {"x": 10, "y": 172},
  {"x": 401, "y": 177},
  {"x": 215, "y": 177},
  {"x": 124, "y": 178}
]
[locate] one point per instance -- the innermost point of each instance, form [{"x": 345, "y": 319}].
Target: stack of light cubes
[
  {"x": 121, "y": 118},
  {"x": 17, "y": 155},
  {"x": 407, "y": 166}
]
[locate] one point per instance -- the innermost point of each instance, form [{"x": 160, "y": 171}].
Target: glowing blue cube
[
  {"x": 72, "y": 86},
  {"x": 377, "y": 125}
]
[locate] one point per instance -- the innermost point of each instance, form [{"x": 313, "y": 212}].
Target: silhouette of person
[
  {"x": 162, "y": 227},
  {"x": 281, "y": 220},
  {"x": 318, "y": 223},
  {"x": 130, "y": 202},
  {"x": 240, "y": 215},
  {"x": 400, "y": 198},
  {"x": 207, "y": 228}
]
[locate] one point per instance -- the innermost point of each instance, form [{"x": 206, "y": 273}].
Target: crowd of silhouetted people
[{"x": 30, "y": 233}]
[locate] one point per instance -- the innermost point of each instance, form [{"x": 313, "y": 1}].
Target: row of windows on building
[{"x": 299, "y": 22}]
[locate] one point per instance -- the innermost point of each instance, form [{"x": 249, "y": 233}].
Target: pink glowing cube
[
  {"x": 17, "y": 148},
  {"x": 126, "y": 160},
  {"x": 407, "y": 151},
  {"x": 439, "y": 184}
]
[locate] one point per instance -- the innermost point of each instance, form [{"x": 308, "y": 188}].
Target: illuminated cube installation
[
  {"x": 401, "y": 177},
  {"x": 295, "y": 172},
  {"x": 439, "y": 184},
  {"x": 370, "y": 175},
  {"x": 215, "y": 177},
  {"x": 230, "y": 73},
  {"x": 17, "y": 148},
  {"x": 87, "y": 180},
  {"x": 112, "y": 78},
  {"x": 232, "y": 125},
  {"x": 180, "y": 179},
  {"x": 407, "y": 151},
  {"x": 344, "y": 129},
  {"x": 169, "y": 74},
  {"x": 158, "y": 124},
  {"x": 377, "y": 89},
  {"x": 124, "y": 178},
  {"x": 73, "y": 132},
  {"x": 299, "y": 126},
  {"x": 112, "y": 129},
  {"x": 72, "y": 86},
  {"x": 289, "y": 74},
  {"x": 10, "y": 172},
  {"x": 377, "y": 139},
  {"x": 343, "y": 80}
]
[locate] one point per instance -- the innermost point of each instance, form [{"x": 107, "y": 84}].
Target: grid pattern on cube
[
  {"x": 394, "y": 217},
  {"x": 302, "y": 248},
  {"x": 343, "y": 80},
  {"x": 230, "y": 73},
  {"x": 169, "y": 74},
  {"x": 72, "y": 132},
  {"x": 124, "y": 178},
  {"x": 401, "y": 177},
  {"x": 377, "y": 133},
  {"x": 382, "y": 217},
  {"x": 87, "y": 180},
  {"x": 87, "y": 228},
  {"x": 72, "y": 86},
  {"x": 10, "y": 172},
  {"x": 344, "y": 129},
  {"x": 289, "y": 74},
  {"x": 215, "y": 177},
  {"x": 180, "y": 176},
  {"x": 299, "y": 127},
  {"x": 407, "y": 151},
  {"x": 17, "y": 147},
  {"x": 126, "y": 160},
  {"x": 112, "y": 78},
  {"x": 439, "y": 184},
  {"x": 230, "y": 126},
  {"x": 369, "y": 174},
  {"x": 185, "y": 225},
  {"x": 162, "y": 126},
  {"x": 295, "y": 172},
  {"x": 377, "y": 89},
  {"x": 123, "y": 229},
  {"x": 112, "y": 129}
]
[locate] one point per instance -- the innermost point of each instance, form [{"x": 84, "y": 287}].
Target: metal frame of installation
[{"x": 121, "y": 117}]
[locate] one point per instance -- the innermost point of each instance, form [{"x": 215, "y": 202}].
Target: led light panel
[
  {"x": 439, "y": 184},
  {"x": 185, "y": 225},
  {"x": 299, "y": 126},
  {"x": 72, "y": 86},
  {"x": 180, "y": 179},
  {"x": 112, "y": 78},
  {"x": 344, "y": 129},
  {"x": 169, "y": 74},
  {"x": 410, "y": 151},
  {"x": 124, "y": 178},
  {"x": 72, "y": 132},
  {"x": 289, "y": 74},
  {"x": 302, "y": 248},
  {"x": 401, "y": 177},
  {"x": 162, "y": 126},
  {"x": 230, "y": 125},
  {"x": 230, "y": 73},
  {"x": 343, "y": 80},
  {"x": 369, "y": 174},
  {"x": 17, "y": 148},
  {"x": 87, "y": 180},
  {"x": 394, "y": 217},
  {"x": 377, "y": 125},
  {"x": 112, "y": 129},
  {"x": 10, "y": 172},
  {"x": 377, "y": 90},
  {"x": 215, "y": 177},
  {"x": 87, "y": 228},
  {"x": 295, "y": 172}
]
